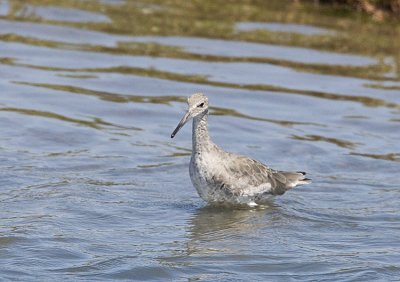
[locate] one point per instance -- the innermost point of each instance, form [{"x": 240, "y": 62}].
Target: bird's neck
[{"x": 200, "y": 138}]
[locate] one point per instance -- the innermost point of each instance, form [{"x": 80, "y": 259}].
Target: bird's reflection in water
[
  {"x": 219, "y": 238},
  {"x": 214, "y": 230}
]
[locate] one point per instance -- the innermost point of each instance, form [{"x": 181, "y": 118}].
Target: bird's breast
[{"x": 204, "y": 174}]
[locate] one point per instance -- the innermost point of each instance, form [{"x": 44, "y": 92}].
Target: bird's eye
[{"x": 200, "y": 105}]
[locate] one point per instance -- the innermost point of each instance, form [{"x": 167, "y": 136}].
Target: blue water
[{"x": 93, "y": 188}]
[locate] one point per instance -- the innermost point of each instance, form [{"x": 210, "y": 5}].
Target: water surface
[{"x": 93, "y": 188}]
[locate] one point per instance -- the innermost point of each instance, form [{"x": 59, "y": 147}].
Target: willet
[{"x": 223, "y": 178}]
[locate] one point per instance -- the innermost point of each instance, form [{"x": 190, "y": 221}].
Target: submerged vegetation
[{"x": 350, "y": 31}]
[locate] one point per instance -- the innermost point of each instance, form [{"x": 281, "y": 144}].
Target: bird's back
[{"x": 239, "y": 178}]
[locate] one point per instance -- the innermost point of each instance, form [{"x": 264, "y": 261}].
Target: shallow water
[{"x": 92, "y": 187}]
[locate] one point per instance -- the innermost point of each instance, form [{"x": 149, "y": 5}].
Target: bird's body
[{"x": 223, "y": 178}]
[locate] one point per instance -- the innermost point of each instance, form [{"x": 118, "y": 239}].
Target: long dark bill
[{"x": 185, "y": 118}]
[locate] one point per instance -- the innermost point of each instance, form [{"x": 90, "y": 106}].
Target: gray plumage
[{"x": 223, "y": 178}]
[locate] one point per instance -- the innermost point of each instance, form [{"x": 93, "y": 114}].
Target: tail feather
[
  {"x": 286, "y": 180},
  {"x": 303, "y": 180},
  {"x": 296, "y": 178}
]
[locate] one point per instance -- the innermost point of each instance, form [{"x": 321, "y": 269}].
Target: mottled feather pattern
[{"x": 224, "y": 178}]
